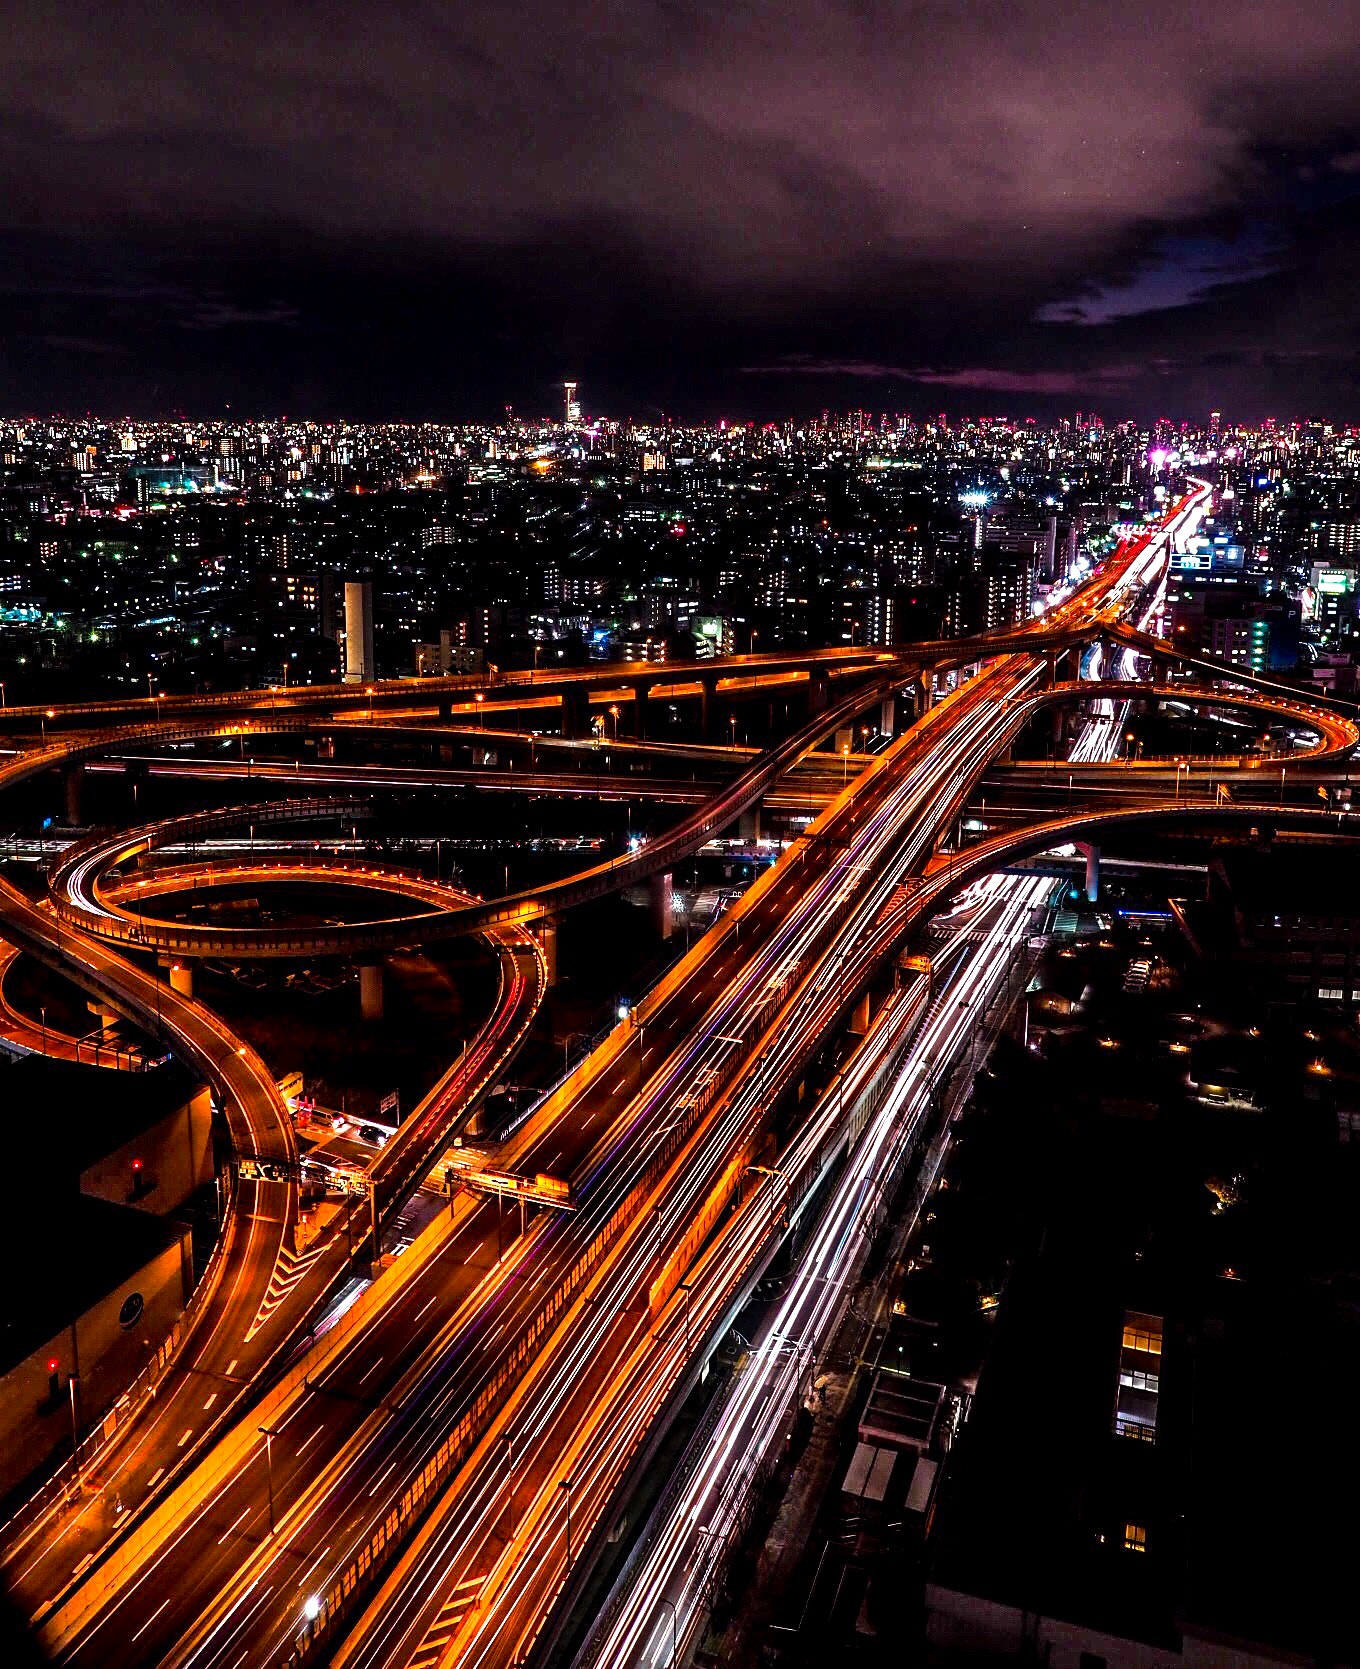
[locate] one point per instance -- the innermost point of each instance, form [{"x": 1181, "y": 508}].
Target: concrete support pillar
[
  {"x": 920, "y": 694},
  {"x": 575, "y": 711},
  {"x": 446, "y": 753},
  {"x": 371, "y": 990},
  {"x": 708, "y": 688},
  {"x": 1160, "y": 669},
  {"x": 182, "y": 978},
  {"x": 641, "y": 697},
  {"x": 546, "y": 934},
  {"x": 887, "y": 716},
  {"x": 748, "y": 829},
  {"x": 859, "y": 1016},
  {"x": 445, "y": 708},
  {"x": 663, "y": 915},
  {"x": 817, "y": 688},
  {"x": 73, "y": 780},
  {"x": 1092, "y": 871}
]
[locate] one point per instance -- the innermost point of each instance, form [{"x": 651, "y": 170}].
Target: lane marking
[
  {"x": 245, "y": 1513},
  {"x": 151, "y": 1619}
]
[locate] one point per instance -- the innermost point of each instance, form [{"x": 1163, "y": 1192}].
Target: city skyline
[{"x": 679, "y": 700}]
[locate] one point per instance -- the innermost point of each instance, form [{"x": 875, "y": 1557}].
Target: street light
[
  {"x": 565, "y": 1483},
  {"x": 479, "y": 698},
  {"x": 510, "y": 1484},
  {"x": 75, "y": 1429},
  {"x": 269, "y": 1434},
  {"x": 614, "y": 714},
  {"x": 674, "y": 1650}
]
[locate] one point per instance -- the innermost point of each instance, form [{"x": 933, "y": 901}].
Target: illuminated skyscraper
[
  {"x": 358, "y": 632},
  {"x": 573, "y": 404}
]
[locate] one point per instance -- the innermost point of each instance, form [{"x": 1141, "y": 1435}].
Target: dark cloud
[{"x": 656, "y": 194}]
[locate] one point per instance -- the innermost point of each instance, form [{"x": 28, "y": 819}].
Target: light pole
[
  {"x": 269, "y": 1435},
  {"x": 670, "y": 1603},
  {"x": 509, "y": 1486},
  {"x": 565, "y": 1483},
  {"x": 479, "y": 698},
  {"x": 775, "y": 1175},
  {"x": 43, "y": 1011},
  {"x": 614, "y": 714},
  {"x": 75, "y": 1430}
]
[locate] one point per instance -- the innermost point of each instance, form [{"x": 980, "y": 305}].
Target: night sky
[{"x": 419, "y": 210}]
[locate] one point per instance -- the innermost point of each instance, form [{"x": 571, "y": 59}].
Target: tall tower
[
  {"x": 573, "y": 404},
  {"x": 358, "y": 632}
]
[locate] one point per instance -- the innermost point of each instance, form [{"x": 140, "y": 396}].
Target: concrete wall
[
  {"x": 108, "y": 1356},
  {"x": 176, "y": 1160}
]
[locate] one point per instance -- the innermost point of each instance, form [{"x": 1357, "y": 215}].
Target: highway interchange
[{"x": 420, "y": 1484}]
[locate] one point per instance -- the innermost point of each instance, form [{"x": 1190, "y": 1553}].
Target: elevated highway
[
  {"x": 613, "y": 1139},
  {"x": 830, "y": 887},
  {"x": 725, "y": 807}
]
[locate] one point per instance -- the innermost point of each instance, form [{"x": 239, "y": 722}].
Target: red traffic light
[
  {"x": 52, "y": 1364},
  {"x": 136, "y": 1164}
]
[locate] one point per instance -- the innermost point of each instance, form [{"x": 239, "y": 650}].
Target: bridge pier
[
  {"x": 817, "y": 692},
  {"x": 1092, "y": 855},
  {"x": 371, "y": 990},
  {"x": 575, "y": 711},
  {"x": 663, "y": 914},
  {"x": 641, "y": 697},
  {"x": 708, "y": 688},
  {"x": 887, "y": 716},
  {"x": 859, "y": 1016},
  {"x": 106, "y": 1016},
  {"x": 182, "y": 978},
  {"x": 748, "y": 826},
  {"x": 546, "y": 934},
  {"x": 73, "y": 782}
]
